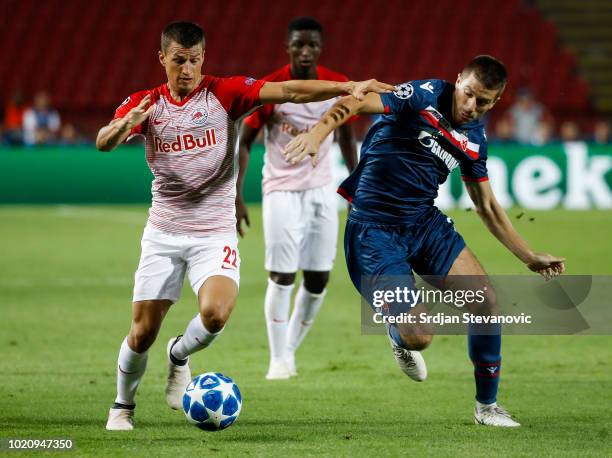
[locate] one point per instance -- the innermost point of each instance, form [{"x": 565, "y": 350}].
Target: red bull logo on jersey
[
  {"x": 199, "y": 117},
  {"x": 292, "y": 130},
  {"x": 186, "y": 142}
]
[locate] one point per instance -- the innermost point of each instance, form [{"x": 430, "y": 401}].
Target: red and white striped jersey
[
  {"x": 282, "y": 123},
  {"x": 190, "y": 150}
]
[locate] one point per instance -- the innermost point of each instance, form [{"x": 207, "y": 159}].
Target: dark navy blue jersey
[{"x": 409, "y": 152}]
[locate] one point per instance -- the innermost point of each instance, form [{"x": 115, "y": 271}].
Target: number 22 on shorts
[{"x": 231, "y": 258}]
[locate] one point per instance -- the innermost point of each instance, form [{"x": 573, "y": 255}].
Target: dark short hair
[
  {"x": 304, "y": 23},
  {"x": 186, "y": 34},
  {"x": 490, "y": 71}
]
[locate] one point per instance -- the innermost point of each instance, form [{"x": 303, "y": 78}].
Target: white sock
[
  {"x": 196, "y": 337},
  {"x": 307, "y": 305},
  {"x": 276, "y": 307},
  {"x": 130, "y": 369}
]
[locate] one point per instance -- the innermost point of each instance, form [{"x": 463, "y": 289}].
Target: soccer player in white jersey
[
  {"x": 300, "y": 216},
  {"x": 188, "y": 125}
]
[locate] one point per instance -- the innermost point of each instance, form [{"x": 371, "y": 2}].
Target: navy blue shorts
[{"x": 389, "y": 252}]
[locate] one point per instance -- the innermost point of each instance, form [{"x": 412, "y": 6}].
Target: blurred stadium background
[
  {"x": 67, "y": 269},
  {"x": 87, "y": 56}
]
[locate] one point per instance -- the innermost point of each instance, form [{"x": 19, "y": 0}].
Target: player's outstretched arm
[
  {"x": 119, "y": 129},
  {"x": 307, "y": 144},
  {"x": 303, "y": 91},
  {"x": 498, "y": 223}
]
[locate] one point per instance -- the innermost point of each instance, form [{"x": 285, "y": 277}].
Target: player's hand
[
  {"x": 242, "y": 213},
  {"x": 547, "y": 265},
  {"x": 138, "y": 114},
  {"x": 359, "y": 89},
  {"x": 301, "y": 146}
]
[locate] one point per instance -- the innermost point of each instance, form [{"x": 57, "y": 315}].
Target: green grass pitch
[{"x": 65, "y": 288}]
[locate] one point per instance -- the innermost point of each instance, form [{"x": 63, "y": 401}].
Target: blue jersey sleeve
[
  {"x": 475, "y": 171},
  {"x": 411, "y": 96}
]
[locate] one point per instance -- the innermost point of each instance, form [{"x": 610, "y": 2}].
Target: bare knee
[
  {"x": 315, "y": 281},
  {"x": 282, "y": 278},
  {"x": 486, "y": 307},
  {"x": 147, "y": 317},
  {"x": 215, "y": 314},
  {"x": 216, "y": 299},
  {"x": 140, "y": 339}
]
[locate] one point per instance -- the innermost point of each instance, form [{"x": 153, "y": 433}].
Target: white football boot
[
  {"x": 178, "y": 379},
  {"x": 120, "y": 420},
  {"x": 290, "y": 362},
  {"x": 278, "y": 370},
  {"x": 411, "y": 362},
  {"x": 493, "y": 415}
]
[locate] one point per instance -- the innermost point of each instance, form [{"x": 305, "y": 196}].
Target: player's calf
[
  {"x": 414, "y": 336},
  {"x": 131, "y": 366},
  {"x": 415, "y": 342},
  {"x": 307, "y": 306}
]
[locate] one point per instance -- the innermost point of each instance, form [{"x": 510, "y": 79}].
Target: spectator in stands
[
  {"x": 503, "y": 131},
  {"x": 526, "y": 116},
  {"x": 69, "y": 136},
  {"x": 41, "y": 123},
  {"x": 569, "y": 132},
  {"x": 601, "y": 133},
  {"x": 13, "y": 120},
  {"x": 543, "y": 133}
]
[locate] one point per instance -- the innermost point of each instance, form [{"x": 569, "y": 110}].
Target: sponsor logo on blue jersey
[{"x": 428, "y": 141}]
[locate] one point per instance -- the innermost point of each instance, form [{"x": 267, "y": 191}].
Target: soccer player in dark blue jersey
[{"x": 426, "y": 129}]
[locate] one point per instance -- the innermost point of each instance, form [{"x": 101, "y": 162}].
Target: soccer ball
[{"x": 212, "y": 401}]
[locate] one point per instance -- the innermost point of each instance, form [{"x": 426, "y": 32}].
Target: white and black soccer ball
[{"x": 212, "y": 401}]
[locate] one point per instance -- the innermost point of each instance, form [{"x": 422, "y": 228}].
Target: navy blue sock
[{"x": 485, "y": 353}]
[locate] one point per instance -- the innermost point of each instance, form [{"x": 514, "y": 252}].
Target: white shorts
[
  {"x": 166, "y": 257},
  {"x": 300, "y": 229}
]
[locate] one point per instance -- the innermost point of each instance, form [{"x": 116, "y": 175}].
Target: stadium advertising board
[{"x": 575, "y": 176}]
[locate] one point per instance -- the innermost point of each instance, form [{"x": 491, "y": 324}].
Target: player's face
[
  {"x": 183, "y": 66},
  {"x": 471, "y": 99},
  {"x": 304, "y": 49}
]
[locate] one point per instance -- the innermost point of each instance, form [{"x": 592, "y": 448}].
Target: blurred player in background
[
  {"x": 428, "y": 128},
  {"x": 188, "y": 125},
  {"x": 300, "y": 215}
]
